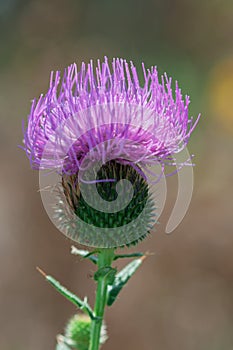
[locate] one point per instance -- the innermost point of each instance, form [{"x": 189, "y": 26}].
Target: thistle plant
[{"x": 102, "y": 141}]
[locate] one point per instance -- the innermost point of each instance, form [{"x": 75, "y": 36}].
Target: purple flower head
[
  {"x": 96, "y": 127},
  {"x": 106, "y": 111}
]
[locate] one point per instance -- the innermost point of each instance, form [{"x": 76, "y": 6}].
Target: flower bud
[{"x": 78, "y": 331}]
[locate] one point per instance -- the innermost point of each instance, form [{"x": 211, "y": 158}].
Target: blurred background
[{"x": 182, "y": 297}]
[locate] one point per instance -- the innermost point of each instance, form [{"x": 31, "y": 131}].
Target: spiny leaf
[
  {"x": 82, "y": 304},
  {"x": 85, "y": 254},
  {"x": 132, "y": 255},
  {"x": 121, "y": 279}
]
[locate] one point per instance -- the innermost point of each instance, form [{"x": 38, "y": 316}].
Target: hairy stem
[{"x": 105, "y": 258}]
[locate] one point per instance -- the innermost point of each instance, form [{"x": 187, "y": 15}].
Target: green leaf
[
  {"x": 121, "y": 279},
  {"x": 107, "y": 272},
  {"x": 85, "y": 254},
  {"x": 132, "y": 255},
  {"x": 82, "y": 304}
]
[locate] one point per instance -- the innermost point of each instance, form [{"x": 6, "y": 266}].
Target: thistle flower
[
  {"x": 98, "y": 126},
  {"x": 155, "y": 119}
]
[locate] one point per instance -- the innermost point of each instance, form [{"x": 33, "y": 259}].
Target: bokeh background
[{"x": 182, "y": 298}]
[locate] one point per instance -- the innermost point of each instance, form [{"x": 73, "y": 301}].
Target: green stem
[{"x": 105, "y": 258}]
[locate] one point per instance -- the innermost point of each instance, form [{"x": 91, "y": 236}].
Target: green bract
[{"x": 115, "y": 210}]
